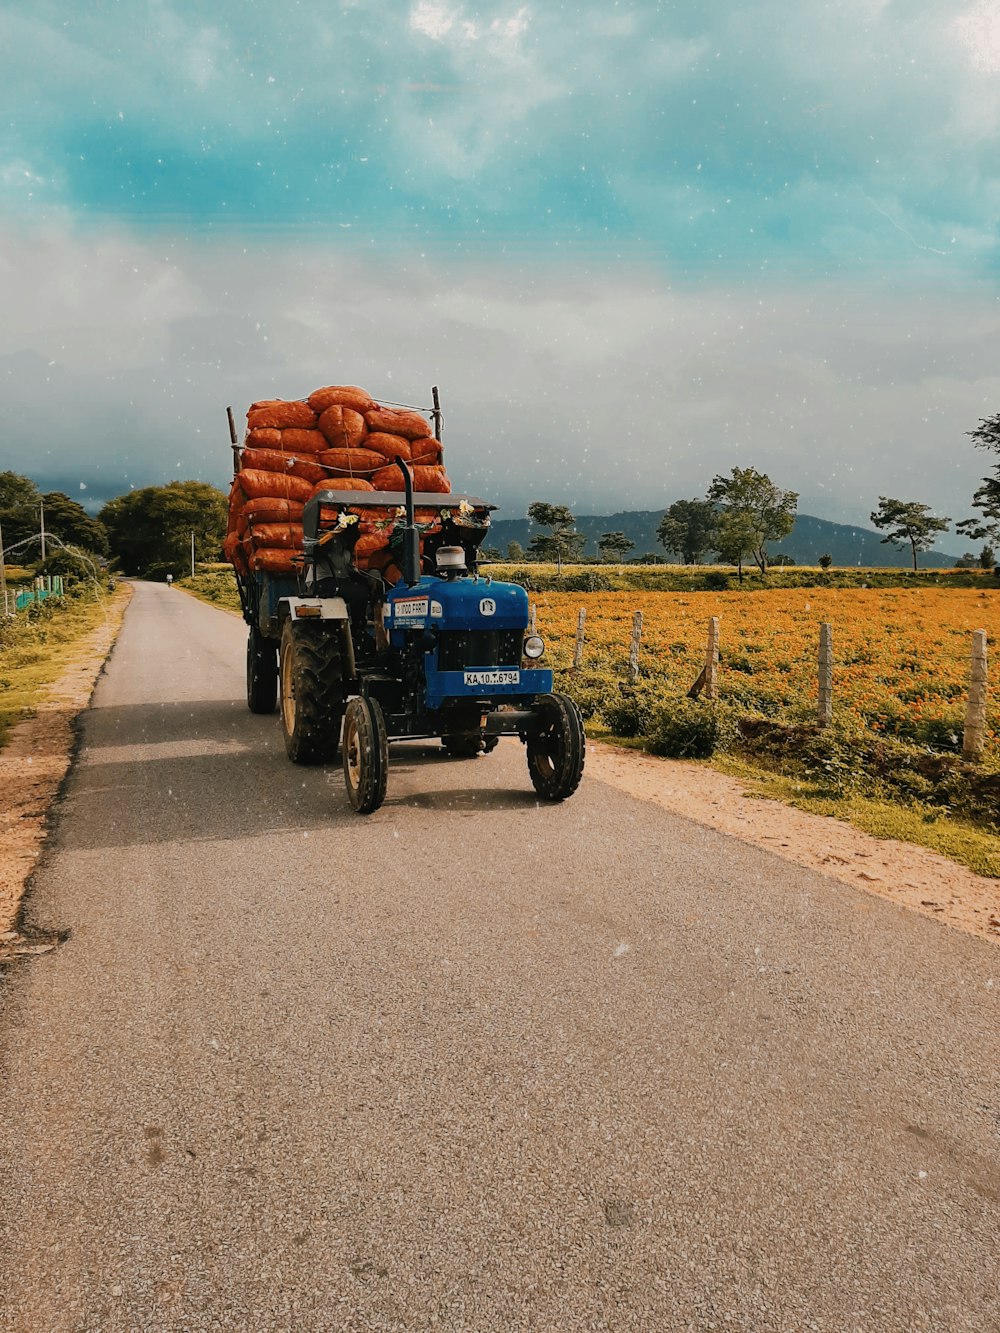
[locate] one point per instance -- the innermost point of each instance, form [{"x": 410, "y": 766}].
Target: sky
[{"x": 635, "y": 245}]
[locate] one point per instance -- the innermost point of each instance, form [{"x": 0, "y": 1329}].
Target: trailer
[{"x": 355, "y": 661}]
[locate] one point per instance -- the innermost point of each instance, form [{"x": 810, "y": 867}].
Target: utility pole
[
  {"x": 41, "y": 526},
  {"x": 192, "y": 552}
]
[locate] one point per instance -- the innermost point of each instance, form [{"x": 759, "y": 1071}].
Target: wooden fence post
[
  {"x": 578, "y": 646},
  {"x": 975, "y": 714},
  {"x": 633, "y": 651},
  {"x": 824, "y": 708},
  {"x": 712, "y": 659},
  {"x": 708, "y": 676},
  {"x": 531, "y": 619}
]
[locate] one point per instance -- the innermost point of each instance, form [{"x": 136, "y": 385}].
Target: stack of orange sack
[{"x": 340, "y": 439}]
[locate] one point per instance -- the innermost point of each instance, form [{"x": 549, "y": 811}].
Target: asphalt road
[{"x": 471, "y": 1063}]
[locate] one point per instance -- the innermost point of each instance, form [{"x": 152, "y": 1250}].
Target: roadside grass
[
  {"x": 214, "y": 585},
  {"x": 949, "y": 835},
  {"x": 37, "y": 645}
]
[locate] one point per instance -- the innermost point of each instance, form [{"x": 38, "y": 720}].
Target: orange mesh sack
[
  {"x": 269, "y": 510},
  {"x": 351, "y": 461},
  {"x": 302, "y": 441},
  {"x": 431, "y": 479},
  {"x": 368, "y": 545},
  {"x": 390, "y": 446},
  {"x": 274, "y": 561},
  {"x": 235, "y": 506},
  {"x": 242, "y": 523},
  {"x": 411, "y": 425},
  {"x": 271, "y": 460},
  {"x": 426, "y": 452},
  {"x": 274, "y": 485},
  {"x": 274, "y": 535},
  {"x": 233, "y": 549},
  {"x": 345, "y": 395},
  {"x": 424, "y": 479},
  {"x": 343, "y": 427},
  {"x": 265, "y": 437},
  {"x": 342, "y": 484},
  {"x": 280, "y": 414}
]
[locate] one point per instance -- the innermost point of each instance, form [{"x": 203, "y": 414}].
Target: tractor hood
[{"x": 457, "y": 604}]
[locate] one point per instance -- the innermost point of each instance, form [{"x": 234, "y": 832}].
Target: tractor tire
[
  {"x": 312, "y": 692},
  {"x": 366, "y": 755},
  {"x": 556, "y": 752},
  {"x": 262, "y": 673}
]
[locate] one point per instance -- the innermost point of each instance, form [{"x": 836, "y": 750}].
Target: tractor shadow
[
  {"x": 194, "y": 771},
  {"x": 467, "y": 794}
]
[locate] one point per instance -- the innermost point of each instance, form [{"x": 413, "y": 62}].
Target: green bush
[
  {"x": 716, "y": 581},
  {"x": 630, "y": 713},
  {"x": 686, "y": 729}
]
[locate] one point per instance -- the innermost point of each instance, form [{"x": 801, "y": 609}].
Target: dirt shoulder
[
  {"x": 910, "y": 876},
  {"x": 34, "y": 762}
]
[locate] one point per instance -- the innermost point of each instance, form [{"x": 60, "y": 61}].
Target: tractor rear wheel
[
  {"x": 262, "y": 673},
  {"x": 366, "y": 755},
  {"x": 312, "y": 692},
  {"x": 556, "y": 750}
]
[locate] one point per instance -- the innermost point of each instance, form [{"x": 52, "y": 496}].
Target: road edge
[{"x": 52, "y": 734}]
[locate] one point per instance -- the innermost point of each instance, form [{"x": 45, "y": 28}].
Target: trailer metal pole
[
  {"x": 436, "y": 414},
  {"x": 233, "y": 439}
]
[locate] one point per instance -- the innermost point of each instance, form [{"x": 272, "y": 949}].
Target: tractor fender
[{"x": 304, "y": 609}]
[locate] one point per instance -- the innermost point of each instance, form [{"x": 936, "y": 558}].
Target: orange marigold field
[{"x": 901, "y": 655}]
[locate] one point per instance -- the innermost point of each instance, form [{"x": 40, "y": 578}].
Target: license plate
[{"x": 492, "y": 677}]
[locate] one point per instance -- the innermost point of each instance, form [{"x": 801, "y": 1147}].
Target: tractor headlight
[{"x": 534, "y": 646}]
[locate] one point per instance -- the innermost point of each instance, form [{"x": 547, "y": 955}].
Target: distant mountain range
[{"x": 810, "y": 538}]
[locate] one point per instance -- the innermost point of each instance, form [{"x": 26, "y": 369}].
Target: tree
[
  {"x": 825, "y": 561},
  {"x": 905, "y": 521},
  {"x": 752, "y": 512},
  {"x": 689, "y": 529},
  {"x": 19, "y": 499},
  {"x": 21, "y": 507},
  {"x": 69, "y": 521},
  {"x": 734, "y": 539},
  {"x": 563, "y": 542},
  {"x": 614, "y": 545},
  {"x": 515, "y": 551},
  {"x": 151, "y": 528},
  {"x": 987, "y": 497}
]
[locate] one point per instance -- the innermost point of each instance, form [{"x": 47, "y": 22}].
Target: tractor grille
[{"x": 458, "y": 649}]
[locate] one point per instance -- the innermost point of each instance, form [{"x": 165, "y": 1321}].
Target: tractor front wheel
[
  {"x": 366, "y": 755},
  {"x": 556, "y": 750},
  {"x": 262, "y": 673},
  {"x": 312, "y": 692}
]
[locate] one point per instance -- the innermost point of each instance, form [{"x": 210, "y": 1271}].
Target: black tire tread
[
  {"x": 556, "y": 781},
  {"x": 262, "y": 673},
  {"x": 364, "y": 717},
  {"x": 319, "y": 695}
]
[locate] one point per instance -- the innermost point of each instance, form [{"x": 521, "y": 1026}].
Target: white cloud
[
  {"x": 978, "y": 31},
  {"x": 432, "y": 19},
  {"x": 606, "y": 389},
  {"x": 438, "y": 21}
]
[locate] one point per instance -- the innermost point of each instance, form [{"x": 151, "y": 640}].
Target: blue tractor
[{"x": 446, "y": 652}]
